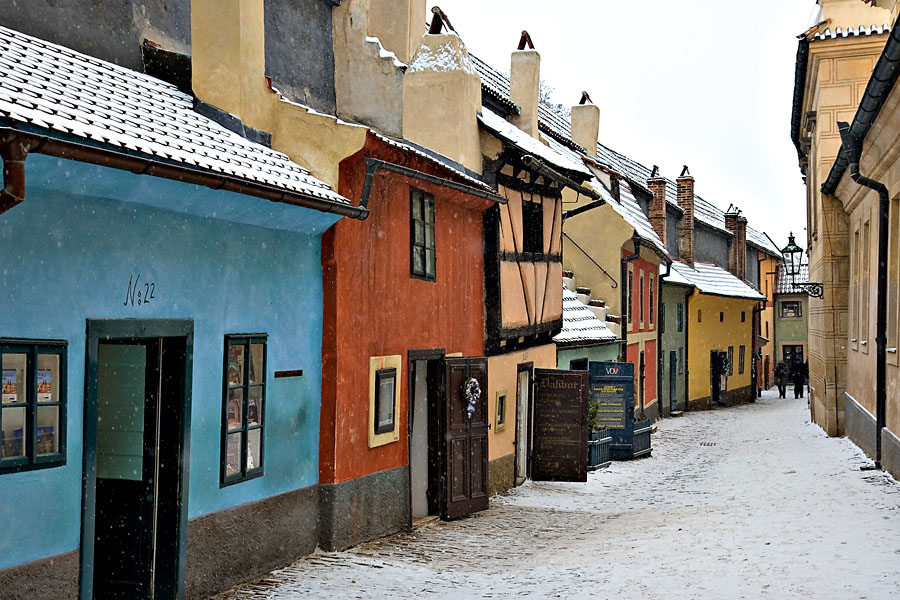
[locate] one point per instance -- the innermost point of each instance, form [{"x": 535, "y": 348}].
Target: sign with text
[
  {"x": 560, "y": 434},
  {"x": 612, "y": 385}
]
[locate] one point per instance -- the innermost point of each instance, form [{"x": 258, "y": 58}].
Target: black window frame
[
  {"x": 244, "y": 474},
  {"x": 741, "y": 350},
  {"x": 662, "y": 318},
  {"x": 630, "y": 293},
  {"x": 680, "y": 317},
  {"x": 380, "y": 375},
  {"x": 650, "y": 310},
  {"x": 424, "y": 200},
  {"x": 781, "y": 309},
  {"x": 532, "y": 227},
  {"x": 32, "y": 349},
  {"x": 641, "y": 299},
  {"x": 730, "y": 361}
]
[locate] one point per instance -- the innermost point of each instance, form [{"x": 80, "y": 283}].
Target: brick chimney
[
  {"x": 657, "y": 185},
  {"x": 685, "y": 185},
  {"x": 586, "y": 124},
  {"x": 736, "y": 223},
  {"x": 442, "y": 97},
  {"x": 228, "y": 58},
  {"x": 525, "y": 84}
]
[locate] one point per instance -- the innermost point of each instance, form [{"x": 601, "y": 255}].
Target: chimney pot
[
  {"x": 525, "y": 88},
  {"x": 657, "y": 186},
  {"x": 685, "y": 185},
  {"x": 586, "y": 126}
]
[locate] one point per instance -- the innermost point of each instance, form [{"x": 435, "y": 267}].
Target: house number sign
[{"x": 139, "y": 292}]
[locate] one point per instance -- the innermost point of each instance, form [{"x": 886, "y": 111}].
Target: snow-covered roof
[
  {"x": 580, "y": 324},
  {"x": 444, "y": 162},
  {"x": 785, "y": 285},
  {"x": 712, "y": 279},
  {"x": 47, "y": 88},
  {"x": 862, "y": 30}
]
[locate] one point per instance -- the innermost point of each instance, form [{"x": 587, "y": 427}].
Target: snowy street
[{"x": 723, "y": 509}]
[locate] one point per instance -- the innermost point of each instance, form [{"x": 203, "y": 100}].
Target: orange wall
[{"x": 374, "y": 308}]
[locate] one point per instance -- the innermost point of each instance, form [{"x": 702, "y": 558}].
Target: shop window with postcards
[
  {"x": 384, "y": 400},
  {"x": 32, "y": 404},
  {"x": 243, "y": 421},
  {"x": 790, "y": 309}
]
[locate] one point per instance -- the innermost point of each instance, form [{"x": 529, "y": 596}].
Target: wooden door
[
  {"x": 560, "y": 425},
  {"x": 465, "y": 439},
  {"x": 673, "y": 374}
]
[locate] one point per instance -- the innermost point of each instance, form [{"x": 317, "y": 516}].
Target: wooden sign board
[{"x": 560, "y": 434}]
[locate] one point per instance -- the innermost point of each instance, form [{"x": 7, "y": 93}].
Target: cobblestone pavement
[{"x": 744, "y": 502}]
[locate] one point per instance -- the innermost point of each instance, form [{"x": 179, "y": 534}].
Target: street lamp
[{"x": 793, "y": 257}]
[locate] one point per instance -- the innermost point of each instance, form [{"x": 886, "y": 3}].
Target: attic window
[{"x": 532, "y": 227}]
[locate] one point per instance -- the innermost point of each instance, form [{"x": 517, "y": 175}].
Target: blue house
[{"x": 161, "y": 293}]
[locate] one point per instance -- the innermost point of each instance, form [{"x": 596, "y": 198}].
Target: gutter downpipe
[
  {"x": 13, "y": 150},
  {"x": 853, "y": 152}
]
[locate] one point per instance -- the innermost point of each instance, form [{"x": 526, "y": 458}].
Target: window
[
  {"x": 500, "y": 417},
  {"x": 385, "y": 390},
  {"x": 741, "y": 360},
  {"x": 244, "y": 411},
  {"x": 681, "y": 360},
  {"x": 730, "y": 361},
  {"x": 650, "y": 309},
  {"x": 790, "y": 309},
  {"x": 864, "y": 290},
  {"x": 721, "y": 317},
  {"x": 641, "y": 298},
  {"x": 893, "y": 299},
  {"x": 32, "y": 405},
  {"x": 767, "y": 330},
  {"x": 854, "y": 305},
  {"x": 421, "y": 235},
  {"x": 532, "y": 227},
  {"x": 681, "y": 317},
  {"x": 630, "y": 293},
  {"x": 662, "y": 318},
  {"x": 699, "y": 315},
  {"x": 743, "y": 317},
  {"x": 578, "y": 364}
]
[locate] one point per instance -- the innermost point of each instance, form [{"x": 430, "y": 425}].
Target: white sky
[{"x": 707, "y": 83}]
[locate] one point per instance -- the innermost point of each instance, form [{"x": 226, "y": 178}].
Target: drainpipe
[
  {"x": 853, "y": 151},
  {"x": 13, "y": 150}
]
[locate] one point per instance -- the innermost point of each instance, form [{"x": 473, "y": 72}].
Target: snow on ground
[{"x": 744, "y": 502}]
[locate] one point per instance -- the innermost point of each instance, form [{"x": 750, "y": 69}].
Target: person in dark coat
[
  {"x": 781, "y": 379},
  {"x": 799, "y": 379}
]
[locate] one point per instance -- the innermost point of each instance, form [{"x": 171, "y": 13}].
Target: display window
[
  {"x": 32, "y": 404},
  {"x": 244, "y": 394}
]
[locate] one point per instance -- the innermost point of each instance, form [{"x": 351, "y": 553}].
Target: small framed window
[
  {"x": 721, "y": 317},
  {"x": 662, "y": 318},
  {"x": 741, "y": 360},
  {"x": 500, "y": 417},
  {"x": 699, "y": 315},
  {"x": 243, "y": 413},
  {"x": 532, "y": 227},
  {"x": 652, "y": 307},
  {"x": 641, "y": 298},
  {"x": 32, "y": 404},
  {"x": 790, "y": 309},
  {"x": 422, "y": 261},
  {"x": 730, "y": 361},
  {"x": 630, "y": 292},
  {"x": 680, "y": 317},
  {"x": 743, "y": 317},
  {"x": 385, "y": 390},
  {"x": 681, "y": 360}
]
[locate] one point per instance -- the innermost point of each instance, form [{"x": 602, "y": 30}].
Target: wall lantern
[{"x": 793, "y": 257}]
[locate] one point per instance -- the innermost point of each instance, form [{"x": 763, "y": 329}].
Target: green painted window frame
[
  {"x": 680, "y": 317},
  {"x": 422, "y": 219},
  {"x": 662, "y": 318},
  {"x": 243, "y": 474},
  {"x": 32, "y": 349}
]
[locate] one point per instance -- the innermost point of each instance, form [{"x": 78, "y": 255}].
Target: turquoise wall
[
  {"x": 791, "y": 331},
  {"x": 66, "y": 255},
  {"x": 607, "y": 352},
  {"x": 671, "y": 340}
]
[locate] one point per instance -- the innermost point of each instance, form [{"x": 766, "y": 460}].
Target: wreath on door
[{"x": 472, "y": 393}]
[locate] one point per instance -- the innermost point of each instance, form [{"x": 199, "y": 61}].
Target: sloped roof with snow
[
  {"x": 580, "y": 324},
  {"x": 785, "y": 285},
  {"x": 712, "y": 279},
  {"x": 46, "y": 88},
  {"x": 862, "y": 30}
]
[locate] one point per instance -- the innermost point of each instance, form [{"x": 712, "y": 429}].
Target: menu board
[{"x": 612, "y": 385}]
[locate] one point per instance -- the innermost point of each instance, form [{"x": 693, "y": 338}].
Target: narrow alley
[{"x": 723, "y": 509}]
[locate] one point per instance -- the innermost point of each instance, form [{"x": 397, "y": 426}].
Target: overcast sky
[{"x": 707, "y": 83}]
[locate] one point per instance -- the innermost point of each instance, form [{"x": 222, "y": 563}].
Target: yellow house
[
  {"x": 769, "y": 356},
  {"x": 719, "y": 332}
]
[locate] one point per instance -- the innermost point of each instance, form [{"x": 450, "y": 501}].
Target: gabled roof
[
  {"x": 580, "y": 324},
  {"x": 714, "y": 280},
  {"x": 52, "y": 91},
  {"x": 785, "y": 285}
]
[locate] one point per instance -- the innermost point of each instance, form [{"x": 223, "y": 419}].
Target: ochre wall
[
  {"x": 712, "y": 334},
  {"x": 374, "y": 308},
  {"x": 767, "y": 267}
]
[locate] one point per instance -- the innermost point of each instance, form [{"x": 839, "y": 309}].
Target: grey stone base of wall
[
  {"x": 364, "y": 508},
  {"x": 742, "y": 395},
  {"x": 890, "y": 453},
  {"x": 48, "y": 578},
  {"x": 651, "y": 412},
  {"x": 243, "y": 542},
  {"x": 501, "y": 474},
  {"x": 859, "y": 425}
]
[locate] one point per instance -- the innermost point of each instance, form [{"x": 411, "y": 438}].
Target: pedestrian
[
  {"x": 781, "y": 379},
  {"x": 799, "y": 380}
]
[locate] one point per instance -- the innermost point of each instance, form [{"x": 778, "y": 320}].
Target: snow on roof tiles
[
  {"x": 580, "y": 324},
  {"x": 55, "y": 88},
  {"x": 712, "y": 279},
  {"x": 446, "y": 163},
  {"x": 862, "y": 30},
  {"x": 785, "y": 285}
]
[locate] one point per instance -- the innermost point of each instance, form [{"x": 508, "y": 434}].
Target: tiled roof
[
  {"x": 515, "y": 136},
  {"x": 580, "y": 324},
  {"x": 784, "y": 284},
  {"x": 712, "y": 279},
  {"x": 46, "y": 88},
  {"x": 435, "y": 159},
  {"x": 862, "y": 30}
]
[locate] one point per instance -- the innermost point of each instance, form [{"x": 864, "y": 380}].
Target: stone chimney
[
  {"x": 228, "y": 58},
  {"x": 736, "y": 223},
  {"x": 525, "y": 85},
  {"x": 657, "y": 185},
  {"x": 442, "y": 97},
  {"x": 399, "y": 24},
  {"x": 685, "y": 185},
  {"x": 586, "y": 124}
]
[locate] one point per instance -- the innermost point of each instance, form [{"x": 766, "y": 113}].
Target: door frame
[
  {"x": 527, "y": 366},
  {"x": 106, "y": 329},
  {"x": 411, "y": 357}
]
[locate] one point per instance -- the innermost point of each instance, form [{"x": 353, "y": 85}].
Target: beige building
[{"x": 854, "y": 371}]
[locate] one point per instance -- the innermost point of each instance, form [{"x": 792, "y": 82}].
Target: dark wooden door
[
  {"x": 465, "y": 439},
  {"x": 559, "y": 451},
  {"x": 673, "y": 384}
]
